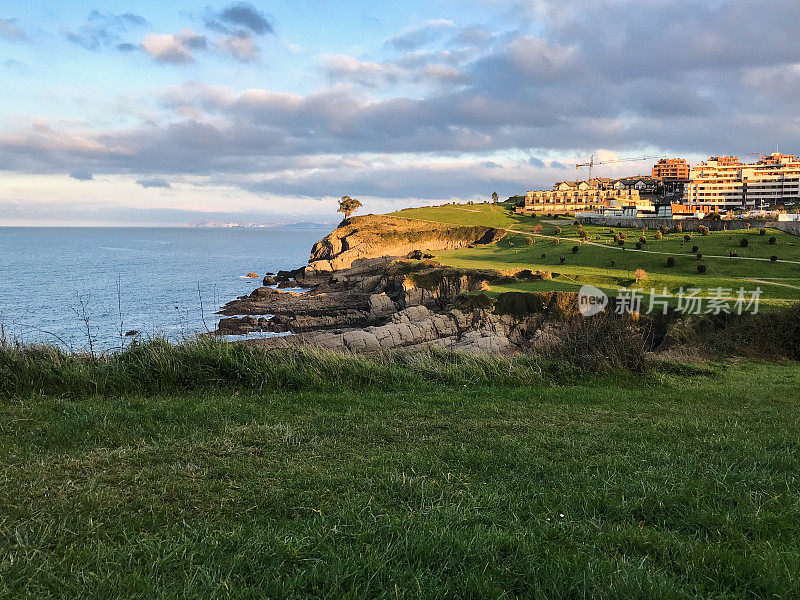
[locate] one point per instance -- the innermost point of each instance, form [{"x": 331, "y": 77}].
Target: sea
[{"x": 85, "y": 288}]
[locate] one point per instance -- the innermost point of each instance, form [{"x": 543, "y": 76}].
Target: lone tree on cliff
[
  {"x": 348, "y": 206},
  {"x": 495, "y": 197}
]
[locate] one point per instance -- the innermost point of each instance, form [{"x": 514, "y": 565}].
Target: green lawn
[
  {"x": 612, "y": 268},
  {"x": 653, "y": 487}
]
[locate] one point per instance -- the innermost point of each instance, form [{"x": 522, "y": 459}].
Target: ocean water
[{"x": 51, "y": 277}]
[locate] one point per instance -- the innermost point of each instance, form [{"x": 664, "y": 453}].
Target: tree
[
  {"x": 348, "y": 206},
  {"x": 495, "y": 197}
]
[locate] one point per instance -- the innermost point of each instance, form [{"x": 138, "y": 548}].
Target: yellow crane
[{"x": 592, "y": 162}]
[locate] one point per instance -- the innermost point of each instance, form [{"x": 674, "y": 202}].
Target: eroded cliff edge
[
  {"x": 372, "y": 286},
  {"x": 374, "y": 236}
]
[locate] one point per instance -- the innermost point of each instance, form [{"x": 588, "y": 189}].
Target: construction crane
[{"x": 592, "y": 162}]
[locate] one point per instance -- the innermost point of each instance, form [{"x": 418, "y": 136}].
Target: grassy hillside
[
  {"x": 602, "y": 263},
  {"x": 361, "y": 478}
]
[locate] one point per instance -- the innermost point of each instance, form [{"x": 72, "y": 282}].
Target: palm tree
[{"x": 348, "y": 206}]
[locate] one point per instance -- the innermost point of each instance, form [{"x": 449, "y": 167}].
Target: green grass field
[
  {"x": 611, "y": 268},
  {"x": 394, "y": 482}
]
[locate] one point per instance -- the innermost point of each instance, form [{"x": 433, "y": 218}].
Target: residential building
[
  {"x": 671, "y": 170},
  {"x": 725, "y": 183},
  {"x": 571, "y": 196}
]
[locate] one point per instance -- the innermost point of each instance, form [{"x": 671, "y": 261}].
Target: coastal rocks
[
  {"x": 379, "y": 304},
  {"x": 374, "y": 236},
  {"x": 269, "y": 280}
]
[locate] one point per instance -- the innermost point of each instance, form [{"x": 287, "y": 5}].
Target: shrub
[
  {"x": 558, "y": 230},
  {"x": 671, "y": 261},
  {"x": 699, "y": 256},
  {"x": 658, "y": 235},
  {"x": 529, "y": 241},
  {"x": 613, "y": 263},
  {"x": 744, "y": 242},
  {"x": 640, "y": 274},
  {"x": 695, "y": 249},
  {"x": 679, "y": 227},
  {"x": 701, "y": 268},
  {"x": 563, "y": 259},
  {"x": 687, "y": 237},
  {"x": 715, "y": 216},
  {"x": 762, "y": 231},
  {"x": 575, "y": 249},
  {"x": 638, "y": 245},
  {"x": 544, "y": 256},
  {"x": 643, "y": 239},
  {"x": 772, "y": 240},
  {"x": 773, "y": 258},
  {"x": 664, "y": 230},
  {"x": 620, "y": 242},
  {"x": 703, "y": 230}
]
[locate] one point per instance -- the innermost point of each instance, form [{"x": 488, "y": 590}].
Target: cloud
[
  {"x": 175, "y": 48},
  {"x": 238, "y": 16},
  {"x": 126, "y": 47},
  {"x": 81, "y": 175},
  {"x": 240, "y": 46},
  {"x": 420, "y": 35},
  {"x": 435, "y": 122},
  {"x": 535, "y": 162},
  {"x": 103, "y": 30},
  {"x": 155, "y": 182},
  {"x": 343, "y": 68},
  {"x": 11, "y": 31}
]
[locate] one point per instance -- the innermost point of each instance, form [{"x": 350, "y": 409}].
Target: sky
[{"x": 162, "y": 113}]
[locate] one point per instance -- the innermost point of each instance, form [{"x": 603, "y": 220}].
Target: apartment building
[
  {"x": 671, "y": 170},
  {"x": 570, "y": 196},
  {"x": 725, "y": 183}
]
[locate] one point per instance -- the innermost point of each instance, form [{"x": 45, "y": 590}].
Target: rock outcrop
[
  {"x": 374, "y": 236},
  {"x": 381, "y": 304},
  {"x": 362, "y": 298}
]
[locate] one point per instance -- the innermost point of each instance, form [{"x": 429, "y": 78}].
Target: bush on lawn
[
  {"x": 772, "y": 240},
  {"x": 773, "y": 258},
  {"x": 744, "y": 242},
  {"x": 701, "y": 268},
  {"x": 671, "y": 261}
]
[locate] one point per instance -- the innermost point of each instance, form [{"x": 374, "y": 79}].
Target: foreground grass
[{"x": 412, "y": 486}]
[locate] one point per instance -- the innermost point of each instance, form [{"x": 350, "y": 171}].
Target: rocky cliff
[
  {"x": 374, "y": 236},
  {"x": 383, "y": 303}
]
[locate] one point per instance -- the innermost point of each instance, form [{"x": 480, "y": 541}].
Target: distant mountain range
[{"x": 303, "y": 224}]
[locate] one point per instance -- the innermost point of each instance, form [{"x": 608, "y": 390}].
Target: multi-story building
[
  {"x": 570, "y": 196},
  {"x": 724, "y": 183},
  {"x": 671, "y": 170}
]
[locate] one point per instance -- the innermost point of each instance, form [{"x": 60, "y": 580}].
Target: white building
[{"x": 725, "y": 183}]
